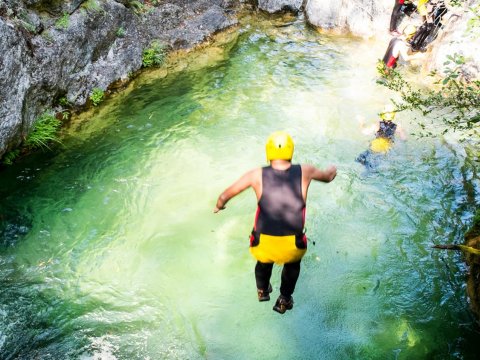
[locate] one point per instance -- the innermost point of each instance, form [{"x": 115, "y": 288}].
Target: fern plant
[
  {"x": 44, "y": 132},
  {"x": 10, "y": 157},
  {"x": 97, "y": 96},
  {"x": 154, "y": 55}
]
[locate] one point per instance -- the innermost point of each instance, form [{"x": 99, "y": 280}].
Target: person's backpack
[{"x": 429, "y": 30}]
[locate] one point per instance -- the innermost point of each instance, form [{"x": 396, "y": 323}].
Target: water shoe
[
  {"x": 283, "y": 304},
  {"x": 264, "y": 295}
]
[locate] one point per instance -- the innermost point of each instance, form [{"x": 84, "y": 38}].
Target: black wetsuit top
[
  {"x": 281, "y": 209},
  {"x": 386, "y": 129}
]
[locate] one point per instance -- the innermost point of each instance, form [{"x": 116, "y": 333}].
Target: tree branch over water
[
  {"x": 467, "y": 249},
  {"x": 454, "y": 98}
]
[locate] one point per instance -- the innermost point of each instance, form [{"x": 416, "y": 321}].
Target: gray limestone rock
[
  {"x": 364, "y": 18},
  {"x": 96, "y": 46},
  {"x": 14, "y": 82},
  {"x": 274, "y": 6}
]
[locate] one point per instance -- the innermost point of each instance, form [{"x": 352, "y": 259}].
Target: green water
[{"x": 110, "y": 249}]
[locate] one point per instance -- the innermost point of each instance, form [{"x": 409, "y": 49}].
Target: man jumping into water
[{"x": 277, "y": 236}]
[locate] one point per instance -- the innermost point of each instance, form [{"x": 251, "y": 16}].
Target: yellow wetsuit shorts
[{"x": 278, "y": 249}]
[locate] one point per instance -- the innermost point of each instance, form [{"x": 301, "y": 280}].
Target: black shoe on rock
[
  {"x": 264, "y": 295},
  {"x": 283, "y": 304}
]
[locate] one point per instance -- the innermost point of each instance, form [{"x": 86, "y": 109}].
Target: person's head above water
[
  {"x": 388, "y": 112},
  {"x": 279, "y": 146}
]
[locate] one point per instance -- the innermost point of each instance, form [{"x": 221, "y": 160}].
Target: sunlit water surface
[{"x": 110, "y": 249}]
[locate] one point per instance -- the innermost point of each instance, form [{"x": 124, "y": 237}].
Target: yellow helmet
[
  {"x": 279, "y": 146},
  {"x": 388, "y": 112},
  {"x": 409, "y": 31}
]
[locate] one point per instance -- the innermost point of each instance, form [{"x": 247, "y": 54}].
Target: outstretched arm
[
  {"x": 249, "y": 179},
  {"x": 312, "y": 173}
]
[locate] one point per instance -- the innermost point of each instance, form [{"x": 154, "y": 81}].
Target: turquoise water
[{"x": 110, "y": 248}]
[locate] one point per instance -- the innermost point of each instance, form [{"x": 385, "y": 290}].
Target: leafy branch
[{"x": 454, "y": 99}]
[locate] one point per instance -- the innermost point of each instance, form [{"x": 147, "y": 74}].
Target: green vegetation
[
  {"x": 63, "y": 101},
  {"x": 21, "y": 19},
  {"x": 10, "y": 157},
  {"x": 456, "y": 2},
  {"x": 97, "y": 96},
  {"x": 474, "y": 22},
  {"x": 27, "y": 26},
  {"x": 154, "y": 55},
  {"x": 137, "y": 6},
  {"x": 454, "y": 98},
  {"x": 121, "y": 32},
  {"x": 63, "y": 22},
  {"x": 44, "y": 132},
  {"x": 91, "y": 5}
]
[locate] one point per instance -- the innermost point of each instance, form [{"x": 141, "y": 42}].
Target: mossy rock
[
  {"x": 473, "y": 289},
  {"x": 472, "y": 239},
  {"x": 474, "y": 230},
  {"x": 473, "y": 243}
]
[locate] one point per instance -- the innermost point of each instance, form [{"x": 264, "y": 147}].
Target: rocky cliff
[{"x": 54, "y": 49}]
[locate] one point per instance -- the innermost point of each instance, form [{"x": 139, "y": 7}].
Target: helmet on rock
[{"x": 279, "y": 146}]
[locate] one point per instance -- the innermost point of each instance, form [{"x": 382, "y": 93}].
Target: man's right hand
[{"x": 216, "y": 209}]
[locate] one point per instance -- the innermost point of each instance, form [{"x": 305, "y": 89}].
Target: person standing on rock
[
  {"x": 278, "y": 232},
  {"x": 394, "y": 18}
]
